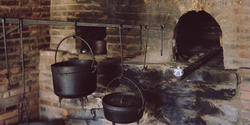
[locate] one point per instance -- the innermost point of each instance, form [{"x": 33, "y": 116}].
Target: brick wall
[
  {"x": 145, "y": 12},
  {"x": 35, "y": 37},
  {"x": 112, "y": 11},
  {"x": 244, "y": 94}
]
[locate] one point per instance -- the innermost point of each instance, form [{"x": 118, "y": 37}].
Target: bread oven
[{"x": 196, "y": 33}]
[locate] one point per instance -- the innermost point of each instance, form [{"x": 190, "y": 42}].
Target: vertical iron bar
[
  {"x": 140, "y": 37},
  {"x": 6, "y": 53},
  {"x": 24, "y": 104},
  {"x": 162, "y": 39},
  {"x": 146, "y": 48},
  {"x": 22, "y": 55},
  {"x": 121, "y": 48}
]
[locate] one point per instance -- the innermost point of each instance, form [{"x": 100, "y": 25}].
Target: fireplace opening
[
  {"x": 196, "y": 33},
  {"x": 96, "y": 38}
]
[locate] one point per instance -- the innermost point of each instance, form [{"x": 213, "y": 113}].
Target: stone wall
[{"x": 35, "y": 37}]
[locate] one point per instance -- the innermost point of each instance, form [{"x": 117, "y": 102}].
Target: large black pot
[
  {"x": 123, "y": 107},
  {"x": 75, "y": 78}
]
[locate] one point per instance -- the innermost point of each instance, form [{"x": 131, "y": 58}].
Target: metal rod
[
  {"x": 6, "y": 54},
  {"x": 162, "y": 39},
  {"x": 24, "y": 104},
  {"x": 121, "y": 48},
  {"x": 72, "y": 23},
  {"x": 146, "y": 49},
  {"x": 22, "y": 54},
  {"x": 140, "y": 37}
]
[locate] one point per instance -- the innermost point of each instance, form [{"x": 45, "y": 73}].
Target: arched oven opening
[{"x": 196, "y": 34}]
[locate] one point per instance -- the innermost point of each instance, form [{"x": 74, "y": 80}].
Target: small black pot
[{"x": 123, "y": 107}]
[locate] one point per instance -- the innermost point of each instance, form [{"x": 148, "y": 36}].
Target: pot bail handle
[
  {"x": 84, "y": 41},
  {"x": 132, "y": 83}
]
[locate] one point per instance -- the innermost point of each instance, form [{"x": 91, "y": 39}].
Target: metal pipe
[
  {"x": 72, "y": 23},
  {"x": 6, "y": 53}
]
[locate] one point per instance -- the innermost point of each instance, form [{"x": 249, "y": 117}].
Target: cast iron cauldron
[
  {"x": 123, "y": 107},
  {"x": 74, "y": 78}
]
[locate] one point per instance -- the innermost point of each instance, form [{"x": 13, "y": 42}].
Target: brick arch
[{"x": 190, "y": 36}]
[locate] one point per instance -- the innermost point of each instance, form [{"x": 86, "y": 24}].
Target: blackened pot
[
  {"x": 122, "y": 107},
  {"x": 73, "y": 79}
]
